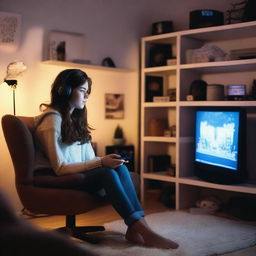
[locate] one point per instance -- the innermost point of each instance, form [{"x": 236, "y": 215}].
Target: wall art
[{"x": 114, "y": 106}]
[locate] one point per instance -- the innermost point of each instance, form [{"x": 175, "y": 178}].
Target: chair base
[{"x": 80, "y": 232}]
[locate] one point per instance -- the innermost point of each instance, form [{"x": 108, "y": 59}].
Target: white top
[{"x": 52, "y": 153}]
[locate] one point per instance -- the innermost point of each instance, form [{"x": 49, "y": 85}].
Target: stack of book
[{"x": 240, "y": 54}]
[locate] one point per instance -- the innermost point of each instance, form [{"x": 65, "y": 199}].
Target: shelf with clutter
[
  {"x": 67, "y": 49},
  {"x": 67, "y": 64},
  {"x": 218, "y": 64}
]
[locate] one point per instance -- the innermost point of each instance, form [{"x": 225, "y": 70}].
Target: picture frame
[
  {"x": 10, "y": 29},
  {"x": 114, "y": 106},
  {"x": 66, "y": 46},
  {"x": 153, "y": 87},
  {"x": 159, "y": 54}
]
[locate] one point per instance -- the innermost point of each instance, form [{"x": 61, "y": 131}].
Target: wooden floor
[
  {"x": 106, "y": 214},
  {"x": 98, "y": 216}
]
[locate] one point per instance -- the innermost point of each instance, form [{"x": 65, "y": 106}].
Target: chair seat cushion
[{"x": 48, "y": 179}]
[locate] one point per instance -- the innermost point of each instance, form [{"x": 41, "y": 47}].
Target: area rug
[{"x": 197, "y": 235}]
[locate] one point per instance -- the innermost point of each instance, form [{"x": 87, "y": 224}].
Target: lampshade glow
[{"x": 14, "y": 69}]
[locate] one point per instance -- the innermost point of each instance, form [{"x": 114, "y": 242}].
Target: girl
[{"x": 63, "y": 140}]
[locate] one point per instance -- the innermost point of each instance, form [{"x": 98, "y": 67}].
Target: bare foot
[
  {"x": 157, "y": 241},
  {"x": 140, "y": 233},
  {"x": 134, "y": 237}
]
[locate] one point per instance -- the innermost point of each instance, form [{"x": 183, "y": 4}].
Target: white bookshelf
[{"x": 181, "y": 112}]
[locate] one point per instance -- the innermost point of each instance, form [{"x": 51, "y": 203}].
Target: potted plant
[{"x": 118, "y": 136}]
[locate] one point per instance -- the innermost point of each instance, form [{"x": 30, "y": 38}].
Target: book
[{"x": 161, "y": 98}]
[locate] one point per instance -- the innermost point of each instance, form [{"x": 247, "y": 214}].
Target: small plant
[
  {"x": 118, "y": 136},
  {"x": 118, "y": 132}
]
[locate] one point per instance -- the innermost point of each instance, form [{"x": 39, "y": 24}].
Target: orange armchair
[{"x": 45, "y": 194}]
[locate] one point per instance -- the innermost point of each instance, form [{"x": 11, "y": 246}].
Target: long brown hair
[{"x": 74, "y": 127}]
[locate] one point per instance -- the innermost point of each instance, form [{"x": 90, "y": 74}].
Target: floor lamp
[{"x": 14, "y": 69}]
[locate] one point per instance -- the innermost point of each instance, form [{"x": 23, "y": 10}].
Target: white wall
[{"x": 112, "y": 28}]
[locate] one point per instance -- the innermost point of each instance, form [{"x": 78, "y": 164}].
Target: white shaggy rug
[{"x": 197, "y": 235}]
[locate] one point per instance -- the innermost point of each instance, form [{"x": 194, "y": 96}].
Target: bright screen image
[{"x": 217, "y": 138}]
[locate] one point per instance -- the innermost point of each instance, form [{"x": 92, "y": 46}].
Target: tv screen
[{"x": 219, "y": 144}]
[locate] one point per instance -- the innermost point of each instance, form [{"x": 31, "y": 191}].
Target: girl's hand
[{"x": 112, "y": 160}]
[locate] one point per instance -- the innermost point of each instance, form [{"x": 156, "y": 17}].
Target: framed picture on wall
[
  {"x": 10, "y": 27},
  {"x": 64, "y": 46},
  {"x": 114, "y": 106}
]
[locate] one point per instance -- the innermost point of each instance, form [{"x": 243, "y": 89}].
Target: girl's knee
[
  {"x": 109, "y": 172},
  {"x": 122, "y": 169}
]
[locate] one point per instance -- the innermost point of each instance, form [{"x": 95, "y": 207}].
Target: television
[{"x": 220, "y": 138}]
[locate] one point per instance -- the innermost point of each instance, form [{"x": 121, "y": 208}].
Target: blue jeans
[{"x": 119, "y": 189}]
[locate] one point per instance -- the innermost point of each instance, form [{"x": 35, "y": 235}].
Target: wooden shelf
[
  {"x": 159, "y": 104},
  {"x": 159, "y": 139},
  {"x": 243, "y": 188},
  {"x": 163, "y": 176},
  {"x": 84, "y": 66},
  {"x": 160, "y": 70},
  {"x": 226, "y": 32},
  {"x": 222, "y": 66},
  {"x": 226, "y": 103}
]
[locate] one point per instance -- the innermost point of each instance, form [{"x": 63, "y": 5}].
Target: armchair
[{"x": 42, "y": 195}]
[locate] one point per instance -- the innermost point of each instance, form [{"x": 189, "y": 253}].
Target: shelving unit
[{"x": 181, "y": 112}]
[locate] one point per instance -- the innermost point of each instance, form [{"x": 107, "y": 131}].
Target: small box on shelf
[
  {"x": 171, "y": 62},
  {"x": 170, "y": 132},
  {"x": 157, "y": 127},
  {"x": 161, "y": 99}
]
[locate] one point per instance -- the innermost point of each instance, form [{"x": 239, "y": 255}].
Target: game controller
[{"x": 124, "y": 156}]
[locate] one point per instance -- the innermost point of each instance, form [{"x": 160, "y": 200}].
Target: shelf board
[
  {"x": 226, "y": 103},
  {"x": 159, "y": 104},
  {"x": 205, "y": 67},
  {"x": 160, "y": 70},
  {"x": 167, "y": 38},
  {"x": 83, "y": 66},
  {"x": 162, "y": 176},
  {"x": 159, "y": 139},
  {"x": 221, "y": 66},
  {"x": 194, "y": 181},
  {"x": 225, "y": 32}
]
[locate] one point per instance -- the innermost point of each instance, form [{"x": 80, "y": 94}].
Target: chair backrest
[{"x": 18, "y": 135}]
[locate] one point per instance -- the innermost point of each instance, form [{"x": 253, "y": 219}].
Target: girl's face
[{"x": 79, "y": 97}]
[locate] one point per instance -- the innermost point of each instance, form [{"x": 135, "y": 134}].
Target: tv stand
[
  {"x": 174, "y": 81},
  {"x": 222, "y": 180}
]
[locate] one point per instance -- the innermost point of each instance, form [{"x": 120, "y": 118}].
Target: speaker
[
  {"x": 249, "y": 11},
  {"x": 205, "y": 18},
  {"x": 215, "y": 92},
  {"x": 162, "y": 27},
  {"x": 198, "y": 90}
]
